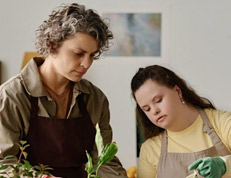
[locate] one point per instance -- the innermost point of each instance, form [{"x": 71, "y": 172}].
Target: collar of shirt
[{"x": 33, "y": 84}]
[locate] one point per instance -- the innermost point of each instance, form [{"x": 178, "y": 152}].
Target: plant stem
[
  {"x": 20, "y": 157},
  {"x": 97, "y": 169}
]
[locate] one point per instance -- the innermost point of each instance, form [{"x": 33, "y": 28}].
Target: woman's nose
[
  {"x": 86, "y": 62},
  {"x": 156, "y": 110}
]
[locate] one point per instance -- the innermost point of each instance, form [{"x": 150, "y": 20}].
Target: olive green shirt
[{"x": 15, "y": 108}]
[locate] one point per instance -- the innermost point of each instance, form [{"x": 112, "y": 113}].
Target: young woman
[
  {"x": 183, "y": 131},
  {"x": 50, "y": 105}
]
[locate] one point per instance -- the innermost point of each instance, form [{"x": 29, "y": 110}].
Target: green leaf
[
  {"x": 27, "y": 165},
  {"x": 94, "y": 176},
  {"x": 26, "y": 145},
  {"x": 42, "y": 166},
  {"x": 108, "y": 153},
  {"x": 47, "y": 173},
  {"x": 22, "y": 148},
  {"x": 38, "y": 168},
  {"x": 10, "y": 157},
  {"x": 89, "y": 166},
  {"x": 48, "y": 168},
  {"x": 99, "y": 140},
  {"x": 30, "y": 174},
  {"x": 22, "y": 142},
  {"x": 25, "y": 154},
  {"x": 13, "y": 166},
  {"x": 20, "y": 165},
  {"x": 3, "y": 167}
]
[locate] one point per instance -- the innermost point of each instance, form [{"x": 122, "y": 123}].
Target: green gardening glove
[{"x": 209, "y": 167}]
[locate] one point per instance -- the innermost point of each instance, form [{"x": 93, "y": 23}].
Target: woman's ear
[
  {"x": 178, "y": 90},
  {"x": 53, "y": 47}
]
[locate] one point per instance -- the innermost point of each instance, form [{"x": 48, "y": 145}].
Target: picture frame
[{"x": 142, "y": 9}]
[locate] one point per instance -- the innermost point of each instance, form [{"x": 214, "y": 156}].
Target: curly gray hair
[{"x": 65, "y": 21}]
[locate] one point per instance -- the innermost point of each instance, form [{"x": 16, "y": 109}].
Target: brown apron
[
  {"x": 61, "y": 143},
  {"x": 176, "y": 164}
]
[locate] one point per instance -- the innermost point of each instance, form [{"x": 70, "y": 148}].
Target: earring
[{"x": 182, "y": 100}]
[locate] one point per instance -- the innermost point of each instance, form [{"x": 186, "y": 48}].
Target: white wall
[{"x": 196, "y": 44}]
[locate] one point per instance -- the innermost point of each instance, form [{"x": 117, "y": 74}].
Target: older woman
[{"x": 50, "y": 105}]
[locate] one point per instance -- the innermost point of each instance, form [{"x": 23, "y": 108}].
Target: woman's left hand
[{"x": 209, "y": 167}]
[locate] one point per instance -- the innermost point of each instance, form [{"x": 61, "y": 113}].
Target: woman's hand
[{"x": 209, "y": 167}]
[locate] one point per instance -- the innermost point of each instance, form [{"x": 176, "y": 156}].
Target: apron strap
[
  {"x": 34, "y": 107},
  {"x": 82, "y": 105},
  {"x": 164, "y": 145},
  {"x": 208, "y": 128},
  {"x": 163, "y": 151}
]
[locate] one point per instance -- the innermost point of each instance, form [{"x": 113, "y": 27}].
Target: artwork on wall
[{"x": 135, "y": 34}]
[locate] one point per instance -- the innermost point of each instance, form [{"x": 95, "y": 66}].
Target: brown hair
[{"x": 168, "y": 78}]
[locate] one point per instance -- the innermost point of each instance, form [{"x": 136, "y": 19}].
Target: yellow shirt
[{"x": 191, "y": 139}]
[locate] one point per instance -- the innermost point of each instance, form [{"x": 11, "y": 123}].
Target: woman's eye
[
  {"x": 93, "y": 55},
  {"x": 146, "y": 109},
  {"x": 159, "y": 100},
  {"x": 78, "y": 54}
]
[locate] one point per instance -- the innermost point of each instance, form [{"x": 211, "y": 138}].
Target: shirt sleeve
[
  {"x": 226, "y": 134},
  {"x": 113, "y": 169},
  {"x": 222, "y": 124},
  {"x": 221, "y": 121},
  {"x": 9, "y": 126},
  {"x": 225, "y": 128},
  {"x": 145, "y": 168}
]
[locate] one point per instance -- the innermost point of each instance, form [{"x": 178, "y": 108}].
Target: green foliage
[
  {"x": 105, "y": 155},
  {"x": 99, "y": 140},
  {"x": 108, "y": 153},
  {"x": 22, "y": 167}
]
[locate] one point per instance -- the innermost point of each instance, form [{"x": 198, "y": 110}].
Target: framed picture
[
  {"x": 140, "y": 31},
  {"x": 135, "y": 34}
]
